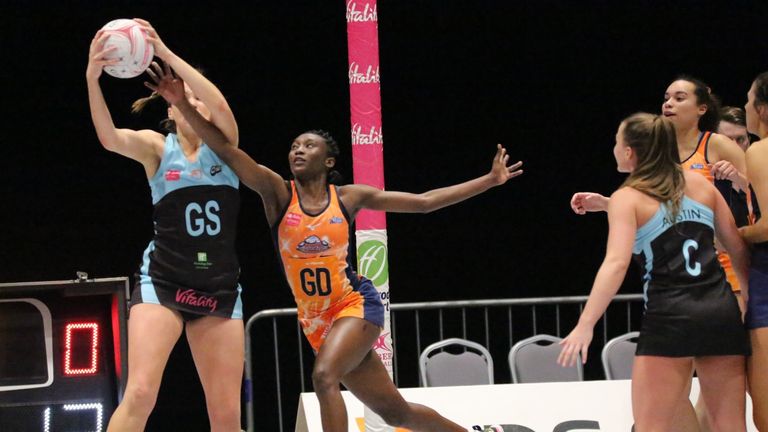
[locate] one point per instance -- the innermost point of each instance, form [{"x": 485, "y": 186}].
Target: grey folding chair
[
  {"x": 619, "y": 355},
  {"x": 472, "y": 366},
  {"x": 534, "y": 360}
]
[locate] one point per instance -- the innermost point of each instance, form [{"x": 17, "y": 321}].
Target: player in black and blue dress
[
  {"x": 188, "y": 279},
  {"x": 667, "y": 218},
  {"x": 191, "y": 265}
]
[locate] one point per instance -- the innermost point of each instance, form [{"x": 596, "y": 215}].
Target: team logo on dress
[
  {"x": 697, "y": 166},
  {"x": 336, "y": 220},
  {"x": 313, "y": 244},
  {"x": 215, "y": 169},
  {"x": 173, "y": 175},
  {"x": 196, "y": 173},
  {"x": 292, "y": 219}
]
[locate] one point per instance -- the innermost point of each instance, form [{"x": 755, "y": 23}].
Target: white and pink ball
[{"x": 134, "y": 52}]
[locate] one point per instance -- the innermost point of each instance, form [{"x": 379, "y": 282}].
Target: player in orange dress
[{"x": 340, "y": 312}]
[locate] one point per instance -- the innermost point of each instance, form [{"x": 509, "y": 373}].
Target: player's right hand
[
  {"x": 97, "y": 56},
  {"x": 583, "y": 202}
]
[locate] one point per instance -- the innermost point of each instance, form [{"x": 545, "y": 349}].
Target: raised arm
[
  {"x": 221, "y": 114},
  {"x": 144, "y": 146},
  {"x": 360, "y": 196},
  {"x": 257, "y": 177},
  {"x": 622, "y": 222},
  {"x": 757, "y": 158},
  {"x": 267, "y": 183}
]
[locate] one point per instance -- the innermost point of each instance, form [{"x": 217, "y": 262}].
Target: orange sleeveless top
[
  {"x": 313, "y": 249},
  {"x": 698, "y": 161}
]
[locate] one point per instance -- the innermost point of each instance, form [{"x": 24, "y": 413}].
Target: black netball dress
[
  {"x": 191, "y": 264},
  {"x": 689, "y": 307}
]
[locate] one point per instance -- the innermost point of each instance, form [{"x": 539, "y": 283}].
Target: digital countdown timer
[{"x": 63, "y": 354}]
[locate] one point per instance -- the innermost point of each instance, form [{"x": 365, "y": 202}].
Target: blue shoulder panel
[{"x": 176, "y": 171}]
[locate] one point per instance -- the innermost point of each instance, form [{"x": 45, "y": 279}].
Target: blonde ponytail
[
  {"x": 658, "y": 172},
  {"x": 139, "y": 104}
]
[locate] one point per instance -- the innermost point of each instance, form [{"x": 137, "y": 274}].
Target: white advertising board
[{"x": 546, "y": 407}]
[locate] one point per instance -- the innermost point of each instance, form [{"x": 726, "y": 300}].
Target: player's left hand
[
  {"x": 500, "y": 171},
  {"x": 161, "y": 50}
]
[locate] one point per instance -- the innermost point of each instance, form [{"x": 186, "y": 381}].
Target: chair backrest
[
  {"x": 473, "y": 366},
  {"x": 534, "y": 360},
  {"x": 618, "y": 356}
]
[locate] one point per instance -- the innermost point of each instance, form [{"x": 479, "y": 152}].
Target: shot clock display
[{"x": 63, "y": 353}]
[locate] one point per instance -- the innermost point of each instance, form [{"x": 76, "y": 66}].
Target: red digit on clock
[{"x": 71, "y": 331}]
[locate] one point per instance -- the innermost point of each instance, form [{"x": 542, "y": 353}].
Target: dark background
[{"x": 549, "y": 79}]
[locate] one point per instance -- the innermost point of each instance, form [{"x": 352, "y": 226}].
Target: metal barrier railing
[{"x": 541, "y": 315}]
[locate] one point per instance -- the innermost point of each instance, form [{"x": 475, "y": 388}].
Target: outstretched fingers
[
  {"x": 500, "y": 170},
  {"x": 514, "y": 170},
  {"x": 168, "y": 70},
  {"x": 154, "y": 74}
]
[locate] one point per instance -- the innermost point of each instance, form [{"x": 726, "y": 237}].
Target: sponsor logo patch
[
  {"x": 292, "y": 219},
  {"x": 191, "y": 298},
  {"x": 173, "y": 175},
  {"x": 202, "y": 262}
]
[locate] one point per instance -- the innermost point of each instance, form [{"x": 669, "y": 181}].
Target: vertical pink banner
[
  {"x": 368, "y": 166},
  {"x": 365, "y": 103}
]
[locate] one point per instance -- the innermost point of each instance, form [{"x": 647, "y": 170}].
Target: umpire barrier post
[{"x": 501, "y": 322}]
